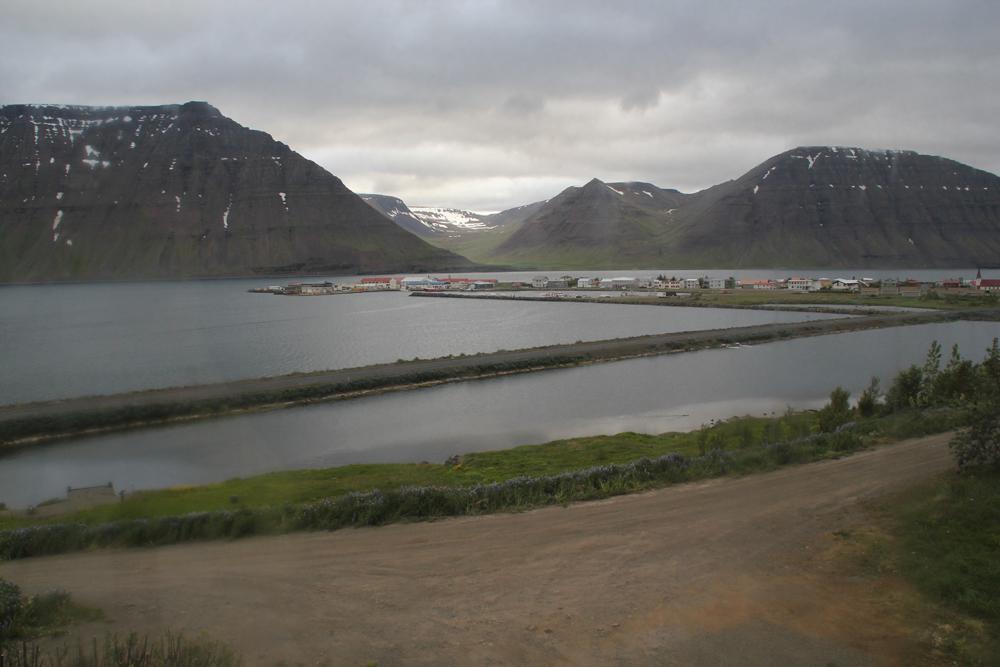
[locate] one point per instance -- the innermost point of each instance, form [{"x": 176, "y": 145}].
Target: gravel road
[{"x": 725, "y": 572}]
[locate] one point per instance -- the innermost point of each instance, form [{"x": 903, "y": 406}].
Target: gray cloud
[{"x": 492, "y": 104}]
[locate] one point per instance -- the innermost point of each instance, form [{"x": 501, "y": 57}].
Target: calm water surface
[
  {"x": 59, "y": 341},
  {"x": 656, "y": 394}
]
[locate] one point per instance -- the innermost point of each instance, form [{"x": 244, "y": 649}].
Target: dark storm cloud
[{"x": 492, "y": 104}]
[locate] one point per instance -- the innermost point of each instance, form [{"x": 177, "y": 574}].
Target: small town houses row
[
  {"x": 867, "y": 286},
  {"x": 384, "y": 284}
]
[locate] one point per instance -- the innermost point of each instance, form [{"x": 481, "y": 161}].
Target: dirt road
[{"x": 724, "y": 572}]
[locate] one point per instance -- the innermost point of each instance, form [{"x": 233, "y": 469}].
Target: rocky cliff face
[
  {"x": 808, "y": 207},
  {"x": 178, "y": 191},
  {"x": 396, "y": 210}
]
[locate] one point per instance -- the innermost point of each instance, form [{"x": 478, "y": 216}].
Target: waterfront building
[{"x": 418, "y": 284}]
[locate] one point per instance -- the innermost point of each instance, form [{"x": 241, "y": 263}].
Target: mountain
[
  {"x": 178, "y": 191},
  {"x": 830, "y": 206},
  {"x": 396, "y": 210},
  {"x": 582, "y": 224},
  {"x": 807, "y": 207}
]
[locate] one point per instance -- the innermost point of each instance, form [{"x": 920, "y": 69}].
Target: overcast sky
[{"x": 487, "y": 105}]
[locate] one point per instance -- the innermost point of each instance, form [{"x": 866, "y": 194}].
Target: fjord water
[
  {"x": 60, "y": 341},
  {"x": 655, "y": 394}
]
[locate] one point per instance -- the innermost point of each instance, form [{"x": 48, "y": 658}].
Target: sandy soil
[{"x": 726, "y": 572}]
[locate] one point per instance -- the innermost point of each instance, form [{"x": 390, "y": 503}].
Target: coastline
[{"x": 28, "y": 424}]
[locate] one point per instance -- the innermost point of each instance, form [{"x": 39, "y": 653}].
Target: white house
[
  {"x": 692, "y": 283},
  {"x": 801, "y": 284},
  {"x": 417, "y": 284},
  {"x": 716, "y": 283},
  {"x": 674, "y": 284},
  {"x": 845, "y": 285},
  {"x": 623, "y": 282},
  {"x": 540, "y": 282},
  {"x": 586, "y": 283}
]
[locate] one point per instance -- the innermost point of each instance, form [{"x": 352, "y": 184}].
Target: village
[{"x": 679, "y": 286}]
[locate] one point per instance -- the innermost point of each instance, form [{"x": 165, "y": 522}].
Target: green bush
[
  {"x": 836, "y": 412},
  {"x": 868, "y": 401},
  {"x": 905, "y": 389},
  {"x": 11, "y": 604},
  {"x": 978, "y": 445}
]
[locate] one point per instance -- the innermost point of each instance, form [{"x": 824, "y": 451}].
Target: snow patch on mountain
[{"x": 450, "y": 219}]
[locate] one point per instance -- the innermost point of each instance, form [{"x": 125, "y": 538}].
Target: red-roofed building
[
  {"x": 757, "y": 284},
  {"x": 988, "y": 284}
]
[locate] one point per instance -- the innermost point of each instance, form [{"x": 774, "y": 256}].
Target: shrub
[
  {"x": 979, "y": 444},
  {"x": 905, "y": 388},
  {"x": 836, "y": 412},
  {"x": 868, "y": 401},
  {"x": 10, "y": 608},
  {"x": 958, "y": 379},
  {"x": 131, "y": 651}
]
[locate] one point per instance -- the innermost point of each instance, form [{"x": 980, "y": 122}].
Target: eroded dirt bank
[{"x": 721, "y": 572}]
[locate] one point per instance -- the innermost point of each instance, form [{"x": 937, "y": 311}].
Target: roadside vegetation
[
  {"x": 26, "y": 621},
  {"x": 943, "y": 537},
  {"x": 920, "y": 400}
]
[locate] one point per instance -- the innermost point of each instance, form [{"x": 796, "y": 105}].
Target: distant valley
[{"x": 436, "y": 222}]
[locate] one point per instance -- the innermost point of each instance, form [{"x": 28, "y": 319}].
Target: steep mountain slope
[
  {"x": 808, "y": 207},
  {"x": 595, "y": 225},
  {"x": 828, "y": 206},
  {"x": 178, "y": 191},
  {"x": 396, "y": 210}
]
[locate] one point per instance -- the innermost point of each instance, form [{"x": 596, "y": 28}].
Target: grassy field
[
  {"x": 937, "y": 546},
  {"x": 298, "y": 486},
  {"x": 552, "y": 458},
  {"x": 948, "y": 540}
]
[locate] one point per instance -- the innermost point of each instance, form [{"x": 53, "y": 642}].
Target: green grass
[
  {"x": 506, "y": 480},
  {"x": 942, "y": 538},
  {"x": 300, "y": 486},
  {"x": 951, "y": 543}
]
